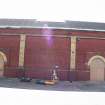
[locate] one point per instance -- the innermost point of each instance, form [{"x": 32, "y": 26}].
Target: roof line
[{"x": 78, "y": 29}]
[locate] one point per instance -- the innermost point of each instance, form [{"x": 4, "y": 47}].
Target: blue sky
[{"x": 54, "y": 10}]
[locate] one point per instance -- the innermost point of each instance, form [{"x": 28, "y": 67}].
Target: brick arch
[{"x": 95, "y": 57}]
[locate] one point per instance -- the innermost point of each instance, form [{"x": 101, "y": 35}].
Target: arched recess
[
  {"x": 3, "y": 61},
  {"x": 4, "y": 57},
  {"x": 97, "y": 68},
  {"x": 95, "y": 57}
]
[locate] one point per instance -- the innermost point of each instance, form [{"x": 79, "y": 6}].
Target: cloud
[{"x": 56, "y": 10}]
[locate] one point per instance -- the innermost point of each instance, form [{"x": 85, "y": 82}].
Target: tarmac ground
[{"x": 84, "y": 86}]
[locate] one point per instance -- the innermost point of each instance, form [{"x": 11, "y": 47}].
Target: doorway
[
  {"x": 97, "y": 67},
  {"x": 3, "y": 61},
  {"x": 1, "y": 66}
]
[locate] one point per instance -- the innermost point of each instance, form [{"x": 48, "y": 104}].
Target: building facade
[{"x": 35, "y": 48}]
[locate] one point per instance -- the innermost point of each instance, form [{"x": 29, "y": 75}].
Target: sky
[{"x": 54, "y": 10}]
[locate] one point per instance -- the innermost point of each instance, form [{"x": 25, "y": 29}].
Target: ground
[
  {"x": 14, "y": 92},
  {"x": 81, "y": 86}
]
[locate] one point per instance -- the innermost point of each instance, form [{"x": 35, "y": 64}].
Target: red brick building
[{"x": 35, "y": 48}]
